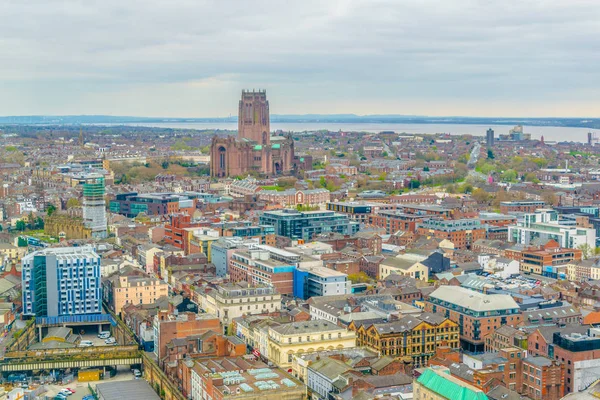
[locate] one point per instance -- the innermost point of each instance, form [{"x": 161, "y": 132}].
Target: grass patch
[{"x": 279, "y": 189}]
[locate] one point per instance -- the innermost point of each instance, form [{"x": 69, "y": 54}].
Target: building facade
[
  {"x": 477, "y": 314},
  {"x": 545, "y": 225},
  {"x": 414, "y": 339},
  {"x": 230, "y": 301},
  {"x": 94, "y": 207},
  {"x": 264, "y": 265},
  {"x": 62, "y": 281},
  {"x": 306, "y": 337},
  {"x": 461, "y": 232},
  {"x": 306, "y": 225},
  {"x": 136, "y": 289}
]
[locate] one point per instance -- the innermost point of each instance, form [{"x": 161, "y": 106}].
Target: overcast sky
[{"x": 192, "y": 58}]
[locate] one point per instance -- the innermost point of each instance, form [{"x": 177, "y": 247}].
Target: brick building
[
  {"x": 254, "y": 150},
  {"x": 476, "y": 313},
  {"x": 520, "y": 206},
  {"x": 169, "y": 326},
  {"x": 461, "y": 232},
  {"x": 293, "y": 197}
]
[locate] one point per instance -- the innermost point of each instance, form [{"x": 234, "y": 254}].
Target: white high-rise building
[
  {"x": 62, "y": 281},
  {"x": 94, "y": 207}
]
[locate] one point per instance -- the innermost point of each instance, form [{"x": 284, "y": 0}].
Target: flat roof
[
  {"x": 137, "y": 389},
  {"x": 473, "y": 300}
]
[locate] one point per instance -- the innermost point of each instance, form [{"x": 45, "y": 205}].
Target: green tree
[
  {"x": 20, "y": 225},
  {"x": 414, "y": 184},
  {"x": 38, "y": 223},
  {"x": 384, "y": 154},
  {"x": 73, "y": 202},
  {"x": 466, "y": 188},
  {"x": 21, "y": 242},
  {"x": 480, "y": 195},
  {"x": 490, "y": 154},
  {"x": 50, "y": 209},
  {"x": 586, "y": 250},
  {"x": 426, "y": 169},
  {"x": 464, "y": 158},
  {"x": 360, "y": 277},
  {"x": 509, "y": 175}
]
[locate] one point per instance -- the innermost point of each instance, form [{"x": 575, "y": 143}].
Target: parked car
[
  {"x": 65, "y": 392},
  {"x": 110, "y": 340},
  {"x": 70, "y": 390},
  {"x": 86, "y": 343},
  {"x": 137, "y": 373}
]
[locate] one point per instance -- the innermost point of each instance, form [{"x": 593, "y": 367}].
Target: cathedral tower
[{"x": 253, "y": 117}]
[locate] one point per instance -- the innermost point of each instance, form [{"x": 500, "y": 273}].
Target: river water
[{"x": 550, "y": 133}]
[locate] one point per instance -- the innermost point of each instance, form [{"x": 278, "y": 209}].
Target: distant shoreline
[{"x": 588, "y": 123}]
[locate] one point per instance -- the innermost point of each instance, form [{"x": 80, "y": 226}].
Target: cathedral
[{"x": 254, "y": 149}]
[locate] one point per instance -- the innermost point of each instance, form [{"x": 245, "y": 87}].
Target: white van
[
  {"x": 86, "y": 343},
  {"x": 104, "y": 335}
]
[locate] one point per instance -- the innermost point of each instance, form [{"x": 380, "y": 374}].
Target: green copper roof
[
  {"x": 276, "y": 146},
  {"x": 258, "y": 147},
  {"x": 448, "y": 387},
  {"x": 301, "y": 159}
]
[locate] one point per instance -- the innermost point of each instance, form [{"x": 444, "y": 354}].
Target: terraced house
[{"x": 412, "y": 339}]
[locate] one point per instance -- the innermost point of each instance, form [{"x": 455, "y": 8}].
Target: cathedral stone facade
[{"x": 254, "y": 149}]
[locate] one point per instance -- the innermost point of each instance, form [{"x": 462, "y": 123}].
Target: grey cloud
[{"x": 355, "y": 52}]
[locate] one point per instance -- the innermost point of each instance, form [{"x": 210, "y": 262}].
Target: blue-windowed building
[
  {"x": 62, "y": 282},
  {"x": 306, "y": 225}
]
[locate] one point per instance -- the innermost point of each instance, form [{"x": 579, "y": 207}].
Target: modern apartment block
[
  {"x": 306, "y": 225},
  {"x": 131, "y": 204},
  {"x": 477, "y": 314},
  {"x": 223, "y": 248},
  {"x": 320, "y": 281},
  {"x": 581, "y": 354},
  {"x": 521, "y": 206},
  {"x": 265, "y": 265},
  {"x": 545, "y": 225},
  {"x": 62, "y": 281},
  {"x": 94, "y": 207},
  {"x": 357, "y": 211}
]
